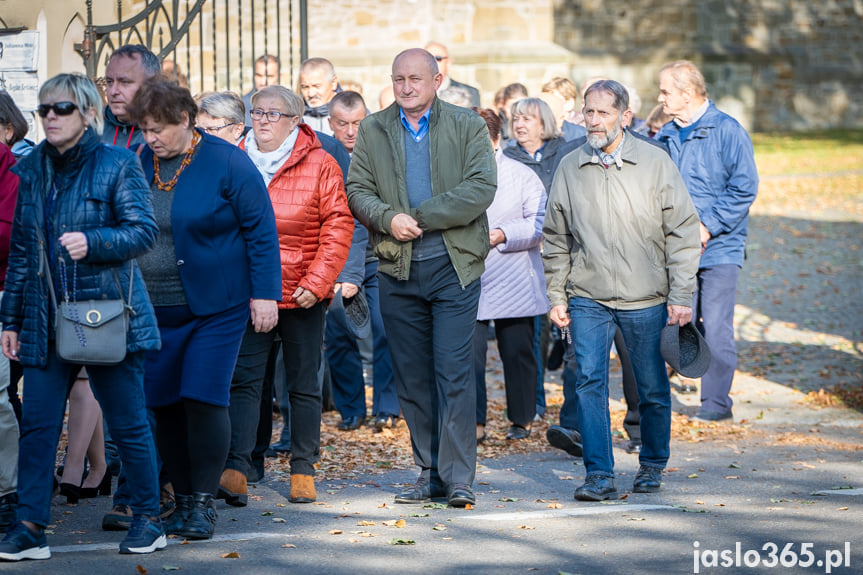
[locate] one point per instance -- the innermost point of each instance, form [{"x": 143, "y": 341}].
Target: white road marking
[
  {"x": 839, "y": 492},
  {"x": 216, "y": 538},
  {"x": 552, "y": 513}
]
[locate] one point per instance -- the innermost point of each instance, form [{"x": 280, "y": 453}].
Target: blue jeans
[
  {"x": 120, "y": 392},
  {"x": 593, "y": 328}
]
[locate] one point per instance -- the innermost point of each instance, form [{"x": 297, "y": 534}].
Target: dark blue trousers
[
  {"x": 430, "y": 321},
  {"x": 713, "y": 310},
  {"x": 346, "y": 365}
]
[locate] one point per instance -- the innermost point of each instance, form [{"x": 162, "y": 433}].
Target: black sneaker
[
  {"x": 118, "y": 519},
  {"x": 8, "y": 507},
  {"x": 21, "y": 543},
  {"x": 145, "y": 536}
]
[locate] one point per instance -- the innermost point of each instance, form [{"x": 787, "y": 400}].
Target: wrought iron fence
[{"x": 212, "y": 44}]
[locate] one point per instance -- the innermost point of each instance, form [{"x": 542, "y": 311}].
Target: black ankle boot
[
  {"x": 174, "y": 523},
  {"x": 202, "y": 517}
]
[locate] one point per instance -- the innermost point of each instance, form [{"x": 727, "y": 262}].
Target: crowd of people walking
[{"x": 271, "y": 247}]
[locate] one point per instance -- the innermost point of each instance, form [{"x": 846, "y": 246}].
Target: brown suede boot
[
  {"x": 233, "y": 489},
  {"x": 302, "y": 489}
]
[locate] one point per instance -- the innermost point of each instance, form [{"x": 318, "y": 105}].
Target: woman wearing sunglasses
[
  {"x": 214, "y": 269},
  {"x": 90, "y": 205}
]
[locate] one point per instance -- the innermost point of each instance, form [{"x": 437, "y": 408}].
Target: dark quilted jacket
[{"x": 101, "y": 192}]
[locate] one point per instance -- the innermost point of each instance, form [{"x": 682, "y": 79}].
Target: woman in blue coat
[
  {"x": 91, "y": 206},
  {"x": 214, "y": 270}
]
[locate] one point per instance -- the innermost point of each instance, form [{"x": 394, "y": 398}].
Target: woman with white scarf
[{"x": 315, "y": 228}]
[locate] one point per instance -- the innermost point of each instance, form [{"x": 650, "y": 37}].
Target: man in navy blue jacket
[{"x": 715, "y": 157}]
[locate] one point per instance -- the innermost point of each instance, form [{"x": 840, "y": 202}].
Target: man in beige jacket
[{"x": 621, "y": 251}]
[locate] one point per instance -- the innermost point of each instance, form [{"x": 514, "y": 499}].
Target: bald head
[{"x": 418, "y": 55}]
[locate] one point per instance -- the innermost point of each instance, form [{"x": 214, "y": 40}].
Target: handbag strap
[{"x": 43, "y": 263}]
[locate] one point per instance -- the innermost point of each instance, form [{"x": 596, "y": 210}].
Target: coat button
[
  {"x": 180, "y": 262},
  {"x": 107, "y": 244}
]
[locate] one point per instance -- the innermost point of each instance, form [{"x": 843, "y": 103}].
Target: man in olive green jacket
[
  {"x": 621, "y": 252},
  {"x": 422, "y": 175}
]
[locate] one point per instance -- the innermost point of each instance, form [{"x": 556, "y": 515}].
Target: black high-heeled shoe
[
  {"x": 71, "y": 491},
  {"x": 104, "y": 488}
]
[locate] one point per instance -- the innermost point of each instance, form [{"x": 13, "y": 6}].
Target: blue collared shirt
[{"x": 423, "y": 129}]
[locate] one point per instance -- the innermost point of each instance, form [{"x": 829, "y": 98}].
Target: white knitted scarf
[{"x": 268, "y": 163}]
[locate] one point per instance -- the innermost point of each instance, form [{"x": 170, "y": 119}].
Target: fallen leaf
[
  {"x": 365, "y": 523},
  {"x": 335, "y": 532},
  {"x": 734, "y": 466},
  {"x": 170, "y": 568},
  {"x": 434, "y": 506},
  {"x": 141, "y": 570},
  {"x": 397, "y": 541},
  {"x": 383, "y": 506},
  {"x": 509, "y": 499},
  {"x": 692, "y": 476},
  {"x": 636, "y": 519},
  {"x": 732, "y": 477},
  {"x": 528, "y": 527},
  {"x": 267, "y": 513},
  {"x": 231, "y": 555},
  {"x": 185, "y": 542},
  {"x": 417, "y": 515},
  {"x": 468, "y": 506},
  {"x": 699, "y": 502},
  {"x": 442, "y": 527},
  {"x": 842, "y": 509},
  {"x": 278, "y": 520},
  {"x": 394, "y": 523},
  {"x": 554, "y": 506},
  {"x": 280, "y": 504},
  {"x": 289, "y": 546}
]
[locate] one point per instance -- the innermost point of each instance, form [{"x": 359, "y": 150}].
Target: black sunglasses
[{"x": 60, "y": 108}]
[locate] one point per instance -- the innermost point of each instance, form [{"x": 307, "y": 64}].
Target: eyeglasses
[
  {"x": 440, "y": 58},
  {"x": 60, "y": 108},
  {"x": 214, "y": 129},
  {"x": 272, "y": 115}
]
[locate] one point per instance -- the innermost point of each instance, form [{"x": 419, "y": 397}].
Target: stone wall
[{"x": 774, "y": 64}]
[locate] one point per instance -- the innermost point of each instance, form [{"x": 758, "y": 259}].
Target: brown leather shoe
[
  {"x": 302, "y": 489},
  {"x": 233, "y": 488}
]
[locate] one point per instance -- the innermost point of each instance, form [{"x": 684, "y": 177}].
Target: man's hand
[
  {"x": 349, "y": 290},
  {"x": 705, "y": 236},
  {"x": 496, "y": 236},
  {"x": 679, "y": 314},
  {"x": 265, "y": 314},
  {"x": 405, "y": 228},
  {"x": 10, "y": 345},
  {"x": 76, "y": 244},
  {"x": 559, "y": 316},
  {"x": 304, "y": 298}
]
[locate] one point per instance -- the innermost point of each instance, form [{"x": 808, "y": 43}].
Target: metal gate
[{"x": 212, "y": 43}]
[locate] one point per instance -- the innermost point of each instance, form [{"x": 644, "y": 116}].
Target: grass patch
[{"x": 785, "y": 154}]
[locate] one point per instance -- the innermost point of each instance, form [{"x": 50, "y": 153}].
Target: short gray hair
[
  {"x": 540, "y": 109},
  {"x": 456, "y": 96},
  {"x": 616, "y": 89},
  {"x": 149, "y": 61},
  {"x": 226, "y": 105},
  {"x": 83, "y": 92},
  {"x": 294, "y": 104},
  {"x": 685, "y": 74}
]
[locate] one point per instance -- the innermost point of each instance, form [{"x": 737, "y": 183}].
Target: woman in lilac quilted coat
[{"x": 513, "y": 287}]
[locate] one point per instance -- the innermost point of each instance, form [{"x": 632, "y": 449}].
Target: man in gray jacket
[
  {"x": 621, "y": 251},
  {"x": 422, "y": 175}
]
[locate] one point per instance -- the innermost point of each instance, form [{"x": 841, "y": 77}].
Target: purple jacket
[{"x": 513, "y": 284}]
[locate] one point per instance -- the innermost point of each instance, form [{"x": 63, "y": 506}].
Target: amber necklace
[{"x": 187, "y": 159}]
